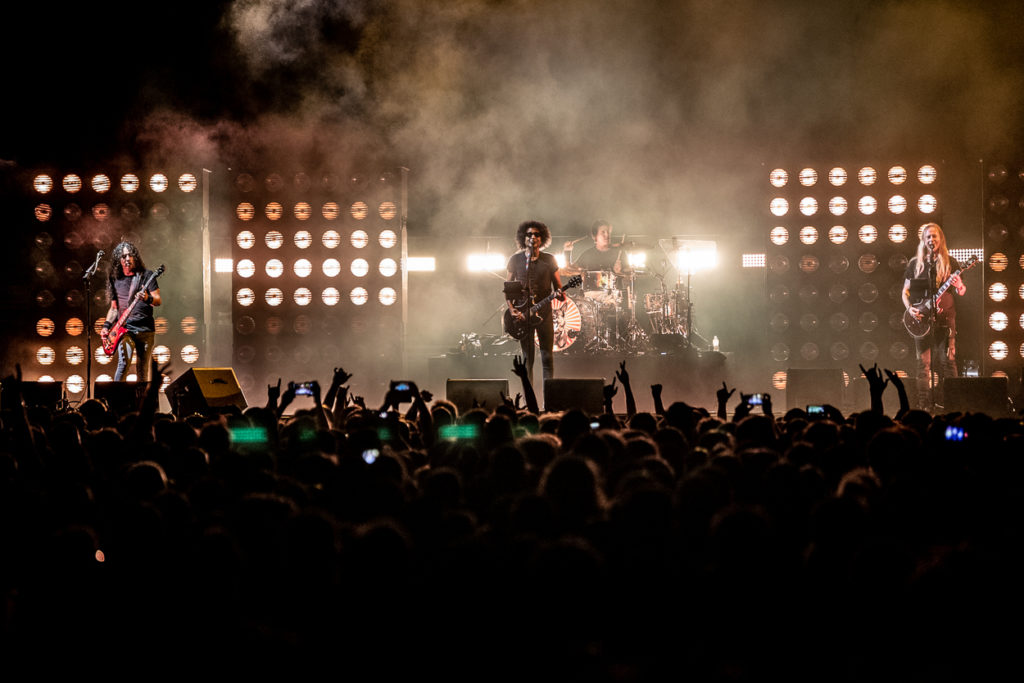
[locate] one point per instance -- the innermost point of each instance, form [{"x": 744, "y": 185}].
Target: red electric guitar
[{"x": 119, "y": 329}]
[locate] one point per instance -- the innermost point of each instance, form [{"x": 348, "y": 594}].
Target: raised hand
[
  {"x": 519, "y": 367},
  {"x": 340, "y": 376},
  {"x": 274, "y": 392},
  {"x": 610, "y": 390},
  {"x": 725, "y": 393},
  {"x": 622, "y": 374}
]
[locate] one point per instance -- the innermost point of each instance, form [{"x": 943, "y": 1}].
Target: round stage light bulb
[
  {"x": 867, "y": 176},
  {"x": 360, "y": 267},
  {"x": 245, "y": 239},
  {"x": 75, "y": 384},
  {"x": 837, "y": 206},
  {"x": 359, "y": 210},
  {"x": 72, "y": 183},
  {"x": 245, "y": 296},
  {"x": 330, "y": 211},
  {"x": 388, "y": 267},
  {"x": 387, "y": 239},
  {"x": 331, "y": 239},
  {"x": 358, "y": 296},
  {"x": 779, "y": 206},
  {"x": 303, "y": 239},
  {"x": 927, "y": 204},
  {"x": 274, "y": 296},
  {"x": 274, "y": 239},
  {"x": 302, "y": 296},
  {"x": 998, "y": 350},
  {"x": 190, "y": 354},
  {"x": 130, "y": 182},
  {"x": 158, "y": 182},
  {"x": 274, "y": 268},
  {"x": 45, "y": 327},
  {"x": 779, "y": 236},
  {"x": 101, "y": 357},
  {"x": 897, "y": 204},
  {"x": 187, "y": 182},
  {"x": 332, "y": 267},
  {"x": 331, "y": 296},
  {"x": 927, "y": 174},
  {"x": 162, "y": 353},
  {"x": 808, "y": 234},
  {"x": 302, "y": 268},
  {"x": 998, "y": 291},
  {"x": 245, "y": 211},
  {"x": 74, "y": 355},
  {"x": 867, "y": 205},
  {"x": 838, "y": 234},
  {"x": 898, "y": 234},
  {"x": 808, "y": 206},
  {"x": 42, "y": 183},
  {"x": 387, "y": 296},
  {"x": 245, "y": 268},
  {"x": 837, "y": 176},
  {"x": 778, "y": 177},
  {"x": 808, "y": 176},
  {"x": 45, "y": 355},
  {"x": 897, "y": 175},
  {"x": 274, "y": 211},
  {"x": 867, "y": 234},
  {"x": 387, "y": 210},
  {"x": 360, "y": 239},
  {"x": 998, "y": 321}
]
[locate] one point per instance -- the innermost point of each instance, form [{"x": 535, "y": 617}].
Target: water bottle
[{"x": 714, "y": 343}]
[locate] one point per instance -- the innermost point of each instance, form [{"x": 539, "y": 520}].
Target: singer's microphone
[{"x": 96, "y": 264}]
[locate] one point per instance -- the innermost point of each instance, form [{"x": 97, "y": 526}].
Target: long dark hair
[{"x": 116, "y": 271}]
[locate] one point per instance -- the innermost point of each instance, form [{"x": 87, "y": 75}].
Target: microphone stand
[
  {"x": 90, "y": 271},
  {"x": 934, "y": 345}
]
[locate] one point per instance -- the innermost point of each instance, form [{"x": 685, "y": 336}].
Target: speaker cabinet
[
  {"x": 35, "y": 394},
  {"x": 121, "y": 397},
  {"x": 814, "y": 387},
  {"x": 486, "y": 392},
  {"x": 585, "y": 394},
  {"x": 205, "y": 391},
  {"x": 977, "y": 395}
]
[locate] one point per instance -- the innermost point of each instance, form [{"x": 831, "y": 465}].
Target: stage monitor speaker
[
  {"x": 820, "y": 386},
  {"x": 46, "y": 394},
  {"x": 565, "y": 394},
  {"x": 205, "y": 391},
  {"x": 121, "y": 397},
  {"x": 486, "y": 392},
  {"x": 976, "y": 395}
]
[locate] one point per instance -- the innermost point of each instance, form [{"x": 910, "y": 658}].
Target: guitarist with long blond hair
[
  {"x": 131, "y": 286},
  {"x": 926, "y": 273}
]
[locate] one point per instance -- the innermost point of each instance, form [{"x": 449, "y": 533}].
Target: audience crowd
[{"x": 501, "y": 542}]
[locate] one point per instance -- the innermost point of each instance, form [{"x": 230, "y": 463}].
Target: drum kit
[{"x": 602, "y": 316}]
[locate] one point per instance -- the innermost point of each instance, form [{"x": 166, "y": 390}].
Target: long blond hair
[{"x": 942, "y": 267}]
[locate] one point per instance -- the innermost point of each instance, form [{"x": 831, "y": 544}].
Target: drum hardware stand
[{"x": 636, "y": 338}]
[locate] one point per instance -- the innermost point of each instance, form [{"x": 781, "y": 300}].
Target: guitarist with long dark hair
[
  {"x": 926, "y": 273},
  {"x": 131, "y": 286},
  {"x": 537, "y": 272}
]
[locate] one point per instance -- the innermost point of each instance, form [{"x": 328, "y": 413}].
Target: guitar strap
[{"x": 135, "y": 284}]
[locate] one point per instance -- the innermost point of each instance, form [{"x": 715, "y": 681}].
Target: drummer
[{"x": 601, "y": 263}]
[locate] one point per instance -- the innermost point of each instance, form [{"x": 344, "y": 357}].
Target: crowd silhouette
[{"x": 507, "y": 543}]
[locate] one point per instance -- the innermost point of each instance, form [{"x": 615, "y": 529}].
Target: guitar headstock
[
  {"x": 160, "y": 271},
  {"x": 574, "y": 281}
]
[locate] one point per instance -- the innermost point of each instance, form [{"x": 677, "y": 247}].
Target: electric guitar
[
  {"x": 919, "y": 328},
  {"x": 119, "y": 329},
  {"x": 517, "y": 329}
]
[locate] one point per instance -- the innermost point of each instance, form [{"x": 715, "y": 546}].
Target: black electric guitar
[
  {"x": 516, "y": 328},
  {"x": 119, "y": 329},
  {"x": 919, "y": 328}
]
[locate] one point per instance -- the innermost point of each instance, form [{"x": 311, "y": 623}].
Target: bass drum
[{"x": 575, "y": 320}]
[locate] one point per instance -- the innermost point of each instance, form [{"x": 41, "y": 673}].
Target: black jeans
[
  {"x": 135, "y": 344},
  {"x": 545, "y": 332}
]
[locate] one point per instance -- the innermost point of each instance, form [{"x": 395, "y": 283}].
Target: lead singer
[
  {"x": 537, "y": 272},
  {"x": 925, "y": 273},
  {"x": 127, "y": 273}
]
